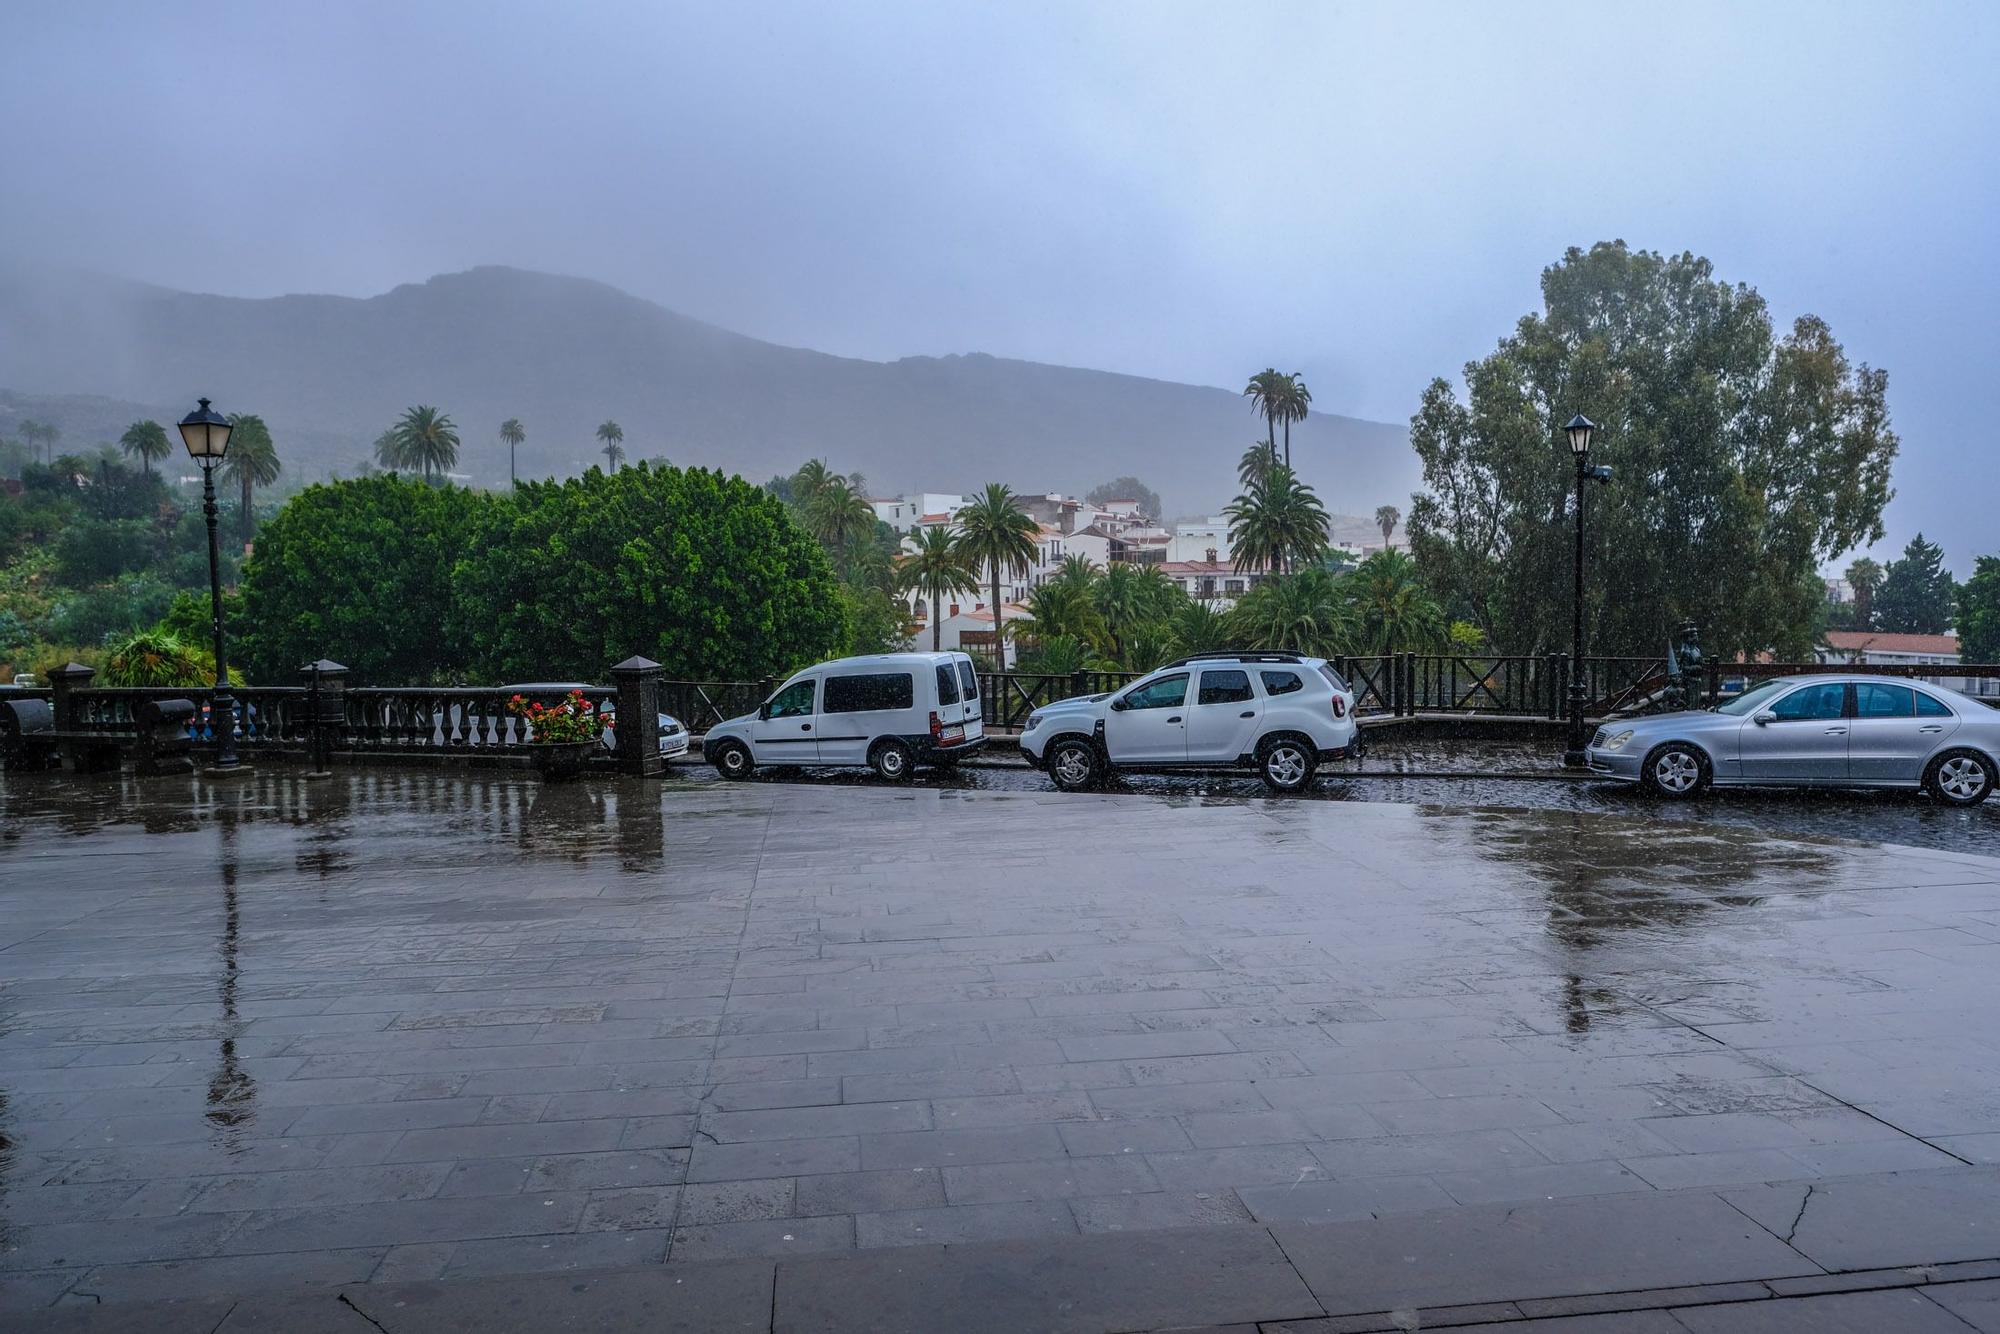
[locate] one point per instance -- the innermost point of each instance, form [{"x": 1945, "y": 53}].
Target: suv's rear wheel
[
  {"x": 892, "y": 760},
  {"x": 1960, "y": 778},
  {"x": 732, "y": 760},
  {"x": 1073, "y": 765},
  {"x": 1287, "y": 764}
]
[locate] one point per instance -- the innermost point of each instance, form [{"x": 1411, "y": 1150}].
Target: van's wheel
[
  {"x": 1073, "y": 765},
  {"x": 1961, "y": 778},
  {"x": 892, "y": 761},
  {"x": 1676, "y": 770},
  {"x": 1287, "y": 764},
  {"x": 732, "y": 760}
]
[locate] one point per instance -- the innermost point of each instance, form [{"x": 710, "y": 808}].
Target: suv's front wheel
[
  {"x": 1287, "y": 764},
  {"x": 1073, "y": 765}
]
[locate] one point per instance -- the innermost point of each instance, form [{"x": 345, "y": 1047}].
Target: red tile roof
[{"x": 1871, "y": 641}]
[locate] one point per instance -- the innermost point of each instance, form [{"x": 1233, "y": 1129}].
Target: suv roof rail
[{"x": 1232, "y": 656}]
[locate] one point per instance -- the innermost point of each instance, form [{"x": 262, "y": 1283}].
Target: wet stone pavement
[{"x": 409, "y": 1050}]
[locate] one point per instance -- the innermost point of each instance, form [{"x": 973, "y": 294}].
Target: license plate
[{"x": 952, "y": 734}]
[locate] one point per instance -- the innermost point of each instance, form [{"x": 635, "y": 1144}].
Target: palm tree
[
  {"x": 1293, "y": 401},
  {"x": 1266, "y": 391},
  {"x": 146, "y": 441},
  {"x": 252, "y": 459},
  {"x": 1058, "y": 655},
  {"x": 513, "y": 436},
  {"x": 1394, "y": 613},
  {"x": 839, "y": 516},
  {"x": 425, "y": 438},
  {"x": 43, "y": 434},
  {"x": 1277, "y": 523},
  {"x": 938, "y": 568},
  {"x": 1257, "y": 461},
  {"x": 613, "y": 436},
  {"x": 1198, "y": 628},
  {"x": 997, "y": 533},
  {"x": 389, "y": 452},
  {"x": 1386, "y": 518},
  {"x": 1064, "y": 608},
  {"x": 1133, "y": 598},
  {"x": 1305, "y": 612},
  {"x": 1864, "y": 576},
  {"x": 812, "y": 478}
]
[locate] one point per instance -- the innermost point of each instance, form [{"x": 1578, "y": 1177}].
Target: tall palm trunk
[
  {"x": 999, "y": 624},
  {"x": 937, "y": 618},
  {"x": 246, "y": 505},
  {"x": 1288, "y": 442}
]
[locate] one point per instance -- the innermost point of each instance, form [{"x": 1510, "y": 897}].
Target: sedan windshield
[{"x": 1752, "y": 700}]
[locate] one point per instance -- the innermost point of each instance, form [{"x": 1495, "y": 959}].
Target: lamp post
[
  {"x": 206, "y": 435},
  {"x": 1579, "y": 430}
]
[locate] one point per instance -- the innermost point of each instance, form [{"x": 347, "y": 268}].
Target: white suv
[{"x": 1277, "y": 713}]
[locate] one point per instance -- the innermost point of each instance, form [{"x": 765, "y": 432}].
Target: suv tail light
[
  {"x": 937, "y": 726},
  {"x": 1339, "y": 705}
]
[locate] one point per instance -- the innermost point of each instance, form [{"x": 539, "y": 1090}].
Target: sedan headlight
[{"x": 1618, "y": 742}]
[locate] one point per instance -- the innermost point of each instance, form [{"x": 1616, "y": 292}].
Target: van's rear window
[
  {"x": 865, "y": 694},
  {"x": 969, "y": 681},
  {"x": 947, "y": 684}
]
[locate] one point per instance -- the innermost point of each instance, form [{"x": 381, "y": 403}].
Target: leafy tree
[
  {"x": 613, "y": 436},
  {"x": 706, "y": 574},
  {"x": 1066, "y": 607},
  {"x": 1127, "y": 488},
  {"x": 876, "y": 622},
  {"x": 512, "y": 435},
  {"x": 93, "y": 550},
  {"x": 1135, "y": 600},
  {"x": 1918, "y": 594},
  {"x": 119, "y": 607},
  {"x": 252, "y": 461},
  {"x": 1864, "y": 576},
  {"x": 1307, "y": 612},
  {"x": 190, "y": 618},
  {"x": 998, "y": 534},
  {"x": 424, "y": 439},
  {"x": 147, "y": 442},
  {"x": 1743, "y": 460},
  {"x": 1059, "y": 655},
  {"x": 1979, "y": 612},
  {"x": 1386, "y": 518},
  {"x": 1393, "y": 612},
  {"x": 937, "y": 569},
  {"x": 1197, "y": 627},
  {"x": 1277, "y": 523},
  {"x": 361, "y": 571},
  {"x": 159, "y": 658}
]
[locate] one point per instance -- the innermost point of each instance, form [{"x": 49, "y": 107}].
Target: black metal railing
[{"x": 1007, "y": 698}]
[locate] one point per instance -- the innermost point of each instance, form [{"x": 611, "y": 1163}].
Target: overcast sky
[{"x": 1366, "y": 193}]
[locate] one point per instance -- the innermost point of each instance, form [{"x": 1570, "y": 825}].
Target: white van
[{"x": 890, "y": 711}]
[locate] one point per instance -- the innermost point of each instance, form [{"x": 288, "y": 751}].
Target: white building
[
  {"x": 1205, "y": 540},
  {"x": 1861, "y": 648},
  {"x": 1213, "y": 582}
]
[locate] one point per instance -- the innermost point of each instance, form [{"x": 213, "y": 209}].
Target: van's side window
[
  {"x": 947, "y": 684},
  {"x": 794, "y": 701},
  {"x": 870, "y": 693}
]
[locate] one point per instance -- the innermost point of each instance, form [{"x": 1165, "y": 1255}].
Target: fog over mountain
[{"x": 330, "y": 373}]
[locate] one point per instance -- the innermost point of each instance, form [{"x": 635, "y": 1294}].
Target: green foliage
[
  {"x": 1979, "y": 612},
  {"x": 14, "y": 632},
  {"x": 1196, "y": 627},
  {"x": 1136, "y": 602},
  {"x": 1386, "y": 518},
  {"x": 876, "y": 622},
  {"x": 1126, "y": 488},
  {"x": 938, "y": 569},
  {"x": 1392, "y": 611},
  {"x": 1464, "y": 637},
  {"x": 91, "y": 551},
  {"x": 1918, "y": 595},
  {"x": 188, "y": 617},
  {"x": 997, "y": 534},
  {"x": 1307, "y": 612},
  {"x": 159, "y": 658},
  {"x": 423, "y": 439},
  {"x": 704, "y": 573},
  {"x": 94, "y": 615},
  {"x": 1864, "y": 576},
  {"x": 1743, "y": 462},
  {"x": 252, "y": 461},
  {"x": 1278, "y": 398},
  {"x": 1058, "y": 655},
  {"x": 361, "y": 571}
]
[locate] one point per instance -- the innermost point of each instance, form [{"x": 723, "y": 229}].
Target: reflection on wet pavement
[{"x": 408, "y": 1024}]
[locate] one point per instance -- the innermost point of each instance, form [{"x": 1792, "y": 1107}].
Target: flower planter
[{"x": 556, "y": 761}]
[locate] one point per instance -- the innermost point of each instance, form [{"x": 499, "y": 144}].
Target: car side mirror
[
  {"x": 764, "y": 712},
  {"x": 1764, "y": 719},
  {"x": 1119, "y": 706}
]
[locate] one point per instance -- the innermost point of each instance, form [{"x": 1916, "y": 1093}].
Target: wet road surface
[{"x": 410, "y": 1026}]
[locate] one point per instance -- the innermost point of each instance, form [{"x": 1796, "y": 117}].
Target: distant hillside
[{"x": 562, "y": 354}]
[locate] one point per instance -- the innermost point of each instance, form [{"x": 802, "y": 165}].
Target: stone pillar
[
  {"x": 638, "y": 682},
  {"x": 64, "y": 681}
]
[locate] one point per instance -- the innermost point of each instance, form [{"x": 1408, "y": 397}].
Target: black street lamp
[
  {"x": 1579, "y": 432},
  {"x": 206, "y": 435}
]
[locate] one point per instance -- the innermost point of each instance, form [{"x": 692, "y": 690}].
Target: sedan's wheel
[
  {"x": 733, "y": 760},
  {"x": 1287, "y": 765},
  {"x": 1073, "y": 765},
  {"x": 1676, "y": 770},
  {"x": 892, "y": 761},
  {"x": 1961, "y": 778}
]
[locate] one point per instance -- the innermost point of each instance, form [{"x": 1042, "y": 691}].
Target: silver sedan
[{"x": 1813, "y": 731}]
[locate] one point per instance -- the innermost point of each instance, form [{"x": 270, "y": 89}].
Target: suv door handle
[
  {"x": 1247, "y": 713},
  {"x": 1931, "y": 727},
  {"x": 1836, "y": 731},
  {"x": 1176, "y": 718}
]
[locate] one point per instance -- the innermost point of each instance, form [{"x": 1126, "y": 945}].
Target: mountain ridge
[{"x": 329, "y": 373}]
